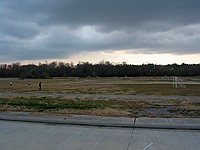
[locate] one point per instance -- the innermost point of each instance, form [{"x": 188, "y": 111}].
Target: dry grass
[
  {"x": 102, "y": 106},
  {"x": 120, "y": 86},
  {"x": 114, "y": 107}
]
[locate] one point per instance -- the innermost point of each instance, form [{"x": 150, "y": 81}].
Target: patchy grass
[
  {"x": 120, "y": 86},
  {"x": 102, "y": 106},
  {"x": 159, "y": 108},
  {"x": 47, "y": 103}
]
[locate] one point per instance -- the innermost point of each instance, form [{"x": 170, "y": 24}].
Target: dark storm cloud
[
  {"x": 36, "y": 29},
  {"x": 105, "y": 12}
]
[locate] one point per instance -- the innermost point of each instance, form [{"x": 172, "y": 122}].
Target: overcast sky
[{"x": 59, "y": 29}]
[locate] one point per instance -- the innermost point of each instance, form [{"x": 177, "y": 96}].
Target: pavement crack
[
  {"x": 130, "y": 140},
  {"x": 169, "y": 121},
  {"x": 100, "y": 119},
  {"x": 134, "y": 122}
]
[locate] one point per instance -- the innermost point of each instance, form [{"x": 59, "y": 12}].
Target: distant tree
[{"x": 102, "y": 69}]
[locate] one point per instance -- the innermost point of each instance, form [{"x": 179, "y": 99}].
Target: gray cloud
[{"x": 41, "y": 29}]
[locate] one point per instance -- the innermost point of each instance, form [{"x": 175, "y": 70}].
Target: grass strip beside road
[{"x": 114, "y": 107}]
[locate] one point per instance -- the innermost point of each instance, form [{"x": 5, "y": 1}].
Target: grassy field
[
  {"x": 120, "y": 86},
  {"x": 159, "y": 86},
  {"x": 114, "y": 107}
]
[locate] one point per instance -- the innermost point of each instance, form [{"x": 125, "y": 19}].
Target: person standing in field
[{"x": 40, "y": 85}]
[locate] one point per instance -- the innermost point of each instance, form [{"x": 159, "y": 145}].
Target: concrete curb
[{"x": 121, "y": 122}]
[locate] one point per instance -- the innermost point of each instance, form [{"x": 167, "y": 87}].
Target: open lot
[{"x": 134, "y": 96}]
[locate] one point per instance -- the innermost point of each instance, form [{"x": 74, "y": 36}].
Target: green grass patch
[
  {"x": 47, "y": 103},
  {"x": 159, "y": 108}
]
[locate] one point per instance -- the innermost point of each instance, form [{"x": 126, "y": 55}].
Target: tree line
[{"x": 102, "y": 69}]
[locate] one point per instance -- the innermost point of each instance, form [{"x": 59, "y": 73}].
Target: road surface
[{"x": 39, "y": 136}]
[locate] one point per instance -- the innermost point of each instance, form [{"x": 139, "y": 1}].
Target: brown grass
[
  {"x": 148, "y": 86},
  {"x": 102, "y": 107},
  {"x": 106, "y": 106}
]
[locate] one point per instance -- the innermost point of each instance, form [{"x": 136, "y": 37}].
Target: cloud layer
[{"x": 43, "y": 29}]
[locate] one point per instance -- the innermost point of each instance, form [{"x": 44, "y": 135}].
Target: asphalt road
[{"x": 32, "y": 136}]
